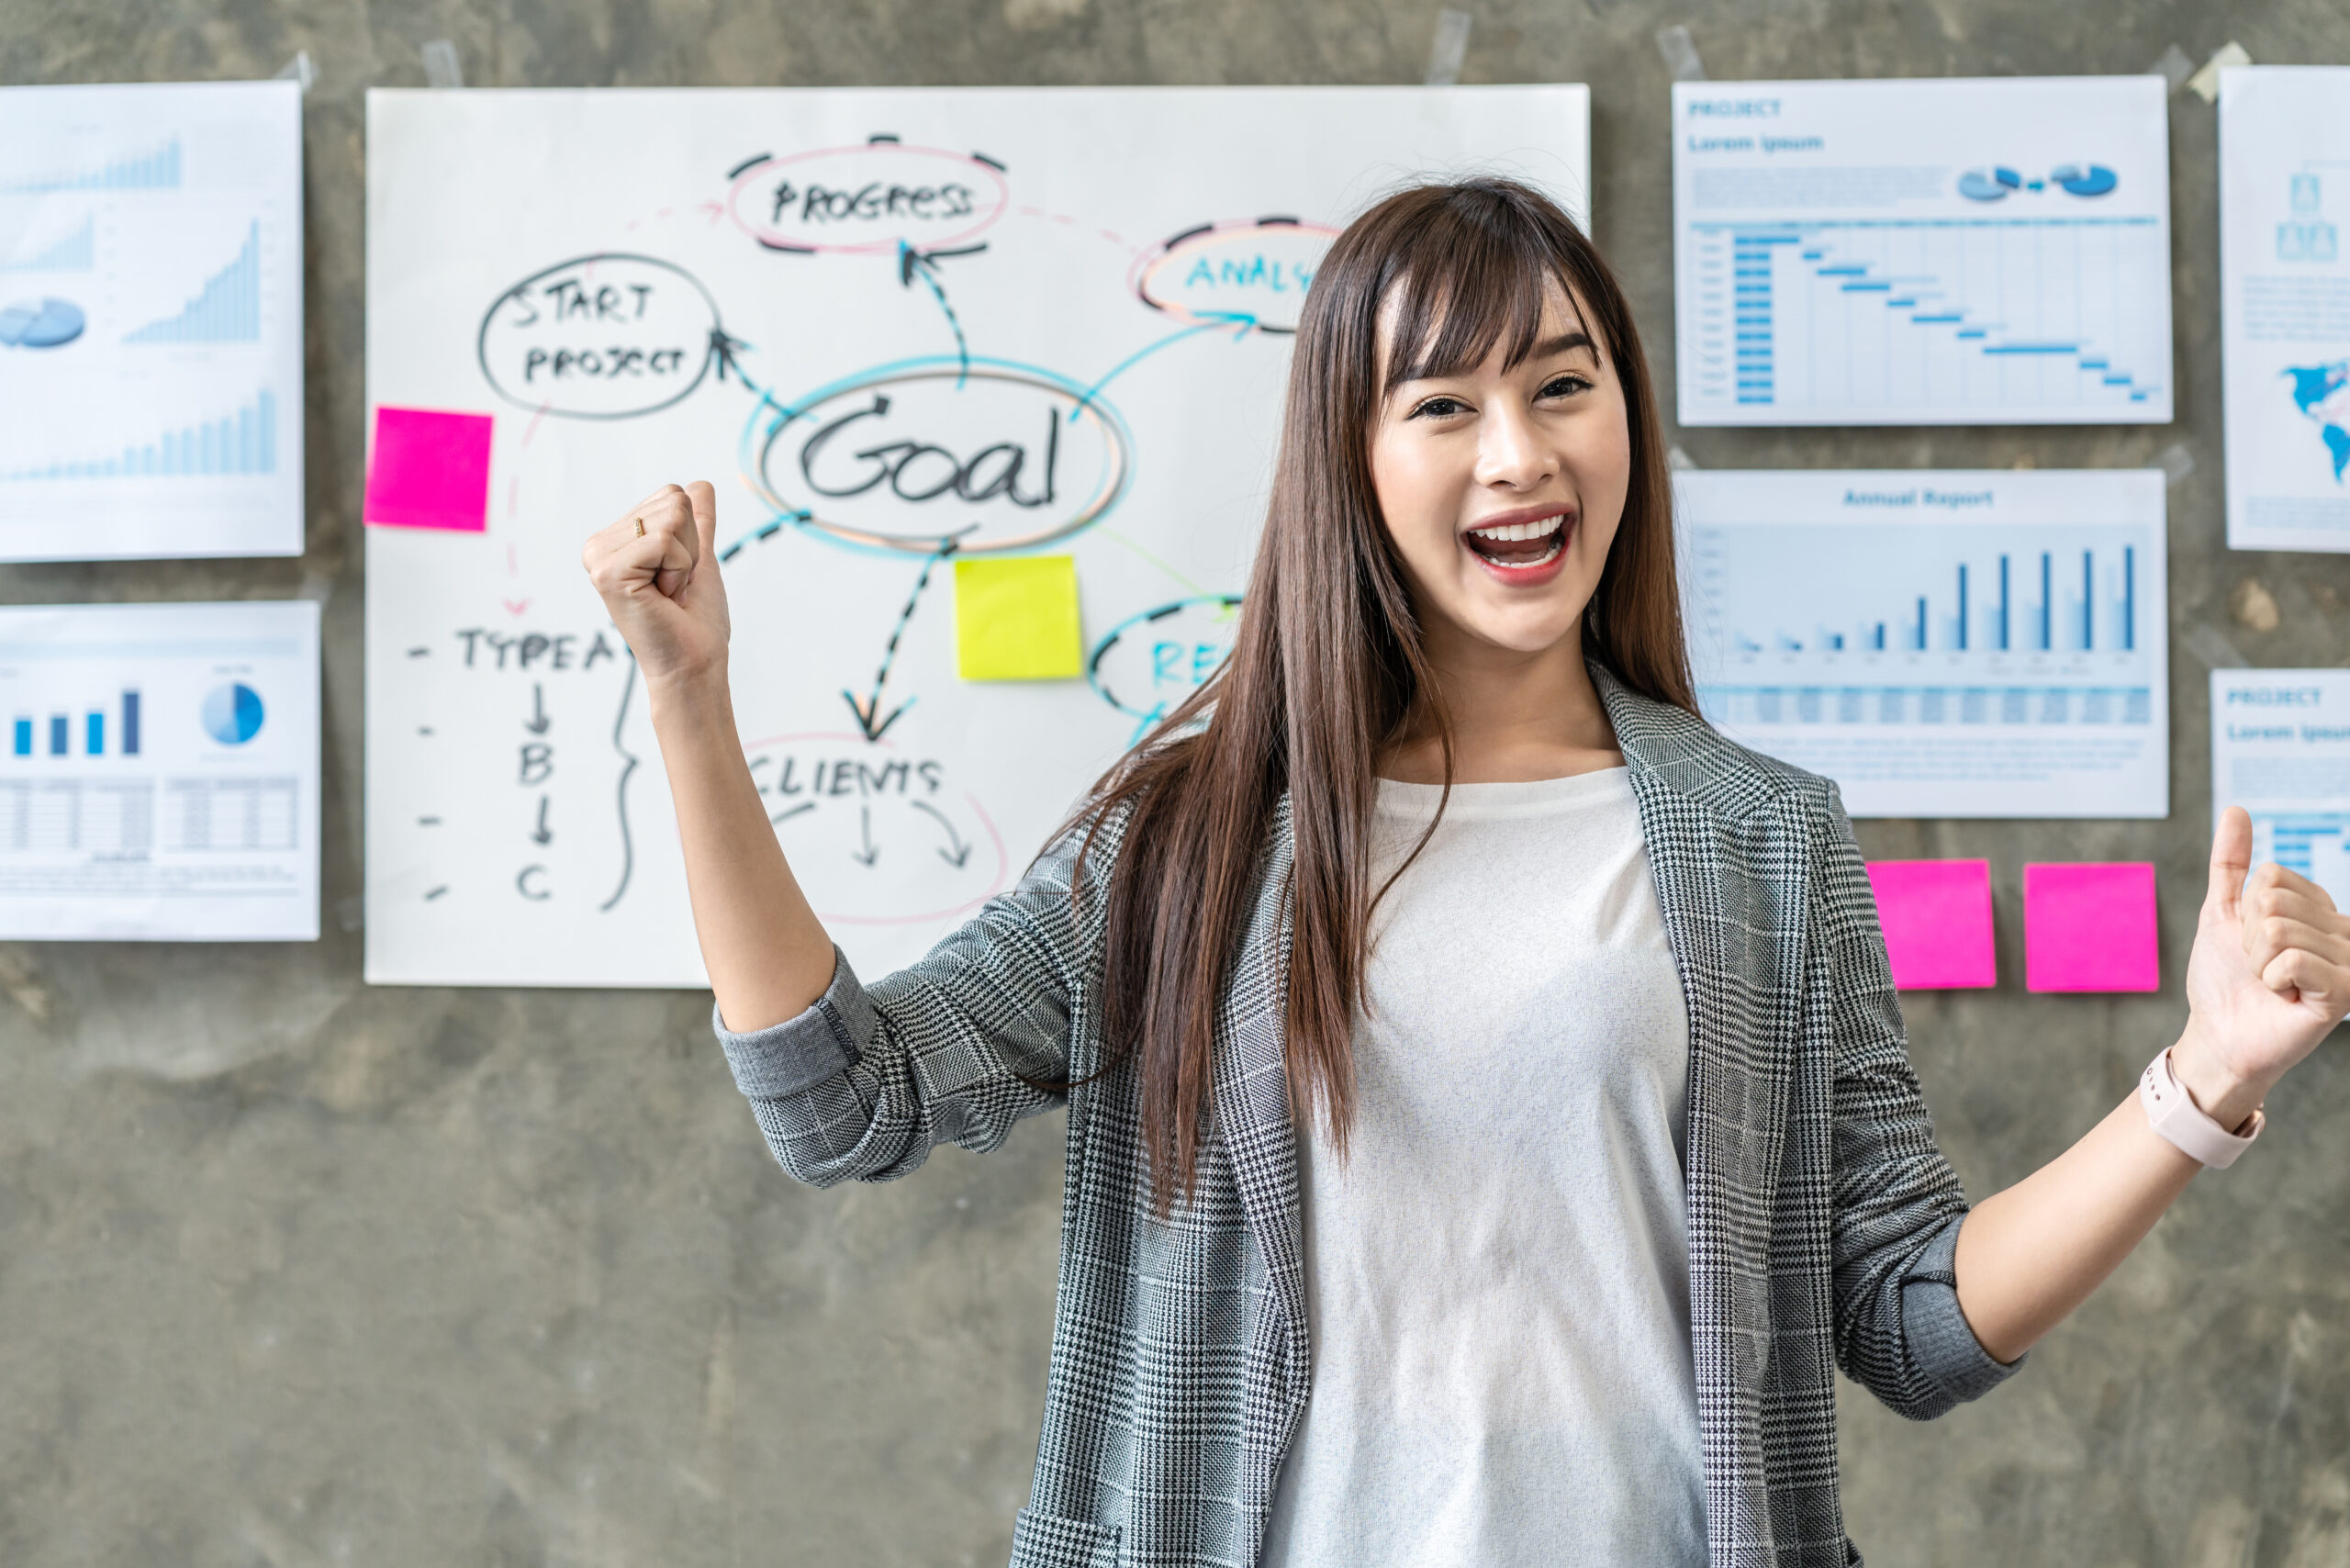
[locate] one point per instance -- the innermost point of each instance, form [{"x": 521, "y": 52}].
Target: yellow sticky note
[{"x": 1015, "y": 618}]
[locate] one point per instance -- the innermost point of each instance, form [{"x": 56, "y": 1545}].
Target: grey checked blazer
[{"x": 1822, "y": 1220}]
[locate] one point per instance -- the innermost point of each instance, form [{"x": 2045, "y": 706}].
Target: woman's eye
[
  {"x": 1564, "y": 385},
  {"x": 1439, "y": 408}
]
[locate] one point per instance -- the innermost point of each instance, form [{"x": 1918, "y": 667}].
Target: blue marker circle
[{"x": 232, "y": 713}]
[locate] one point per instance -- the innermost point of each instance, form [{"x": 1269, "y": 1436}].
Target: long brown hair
[{"x": 1327, "y": 664}]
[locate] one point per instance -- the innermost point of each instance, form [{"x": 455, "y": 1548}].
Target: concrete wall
[{"x": 295, "y": 1272}]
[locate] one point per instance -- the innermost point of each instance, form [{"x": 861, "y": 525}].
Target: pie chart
[
  {"x": 50, "y": 324},
  {"x": 232, "y": 713},
  {"x": 2086, "y": 179}
]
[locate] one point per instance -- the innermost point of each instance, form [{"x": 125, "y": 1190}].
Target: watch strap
[{"x": 2172, "y": 1113}]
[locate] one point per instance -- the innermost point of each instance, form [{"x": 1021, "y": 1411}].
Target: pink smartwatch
[{"x": 2174, "y": 1117}]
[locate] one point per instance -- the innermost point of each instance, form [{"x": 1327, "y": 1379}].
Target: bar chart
[
  {"x": 241, "y": 442},
  {"x": 1990, "y": 599},
  {"x": 1991, "y": 632},
  {"x": 142, "y": 794},
  {"x": 1941, "y": 645},
  {"x": 2316, "y": 844},
  {"x": 74, "y": 250},
  {"x": 60, "y": 729},
  {"x": 1916, "y": 316},
  {"x": 227, "y": 311},
  {"x": 153, "y": 168}
]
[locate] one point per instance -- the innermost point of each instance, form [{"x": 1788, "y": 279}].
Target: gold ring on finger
[{"x": 640, "y": 527}]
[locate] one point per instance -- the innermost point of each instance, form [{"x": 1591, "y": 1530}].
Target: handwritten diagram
[{"x": 907, "y": 334}]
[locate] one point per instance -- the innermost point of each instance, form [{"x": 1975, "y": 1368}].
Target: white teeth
[{"x": 1518, "y": 530}]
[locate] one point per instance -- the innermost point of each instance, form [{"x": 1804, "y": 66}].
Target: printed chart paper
[
  {"x": 151, "y": 321},
  {"x": 1943, "y": 644},
  {"x": 2280, "y": 748},
  {"x": 158, "y": 772},
  {"x": 1922, "y": 253},
  {"x": 988, "y": 382},
  {"x": 2285, "y": 304}
]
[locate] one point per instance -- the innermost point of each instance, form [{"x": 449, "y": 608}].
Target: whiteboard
[{"x": 1029, "y": 321}]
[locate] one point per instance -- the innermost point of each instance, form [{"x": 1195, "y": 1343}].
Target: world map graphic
[{"x": 2322, "y": 392}]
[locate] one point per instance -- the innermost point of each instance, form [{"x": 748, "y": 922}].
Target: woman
[{"x": 1452, "y": 1024}]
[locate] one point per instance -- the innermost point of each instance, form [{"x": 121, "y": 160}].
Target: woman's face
[{"x": 1502, "y": 486}]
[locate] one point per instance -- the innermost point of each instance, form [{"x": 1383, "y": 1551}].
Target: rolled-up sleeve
[
  {"x": 1898, "y": 1205},
  {"x": 796, "y": 1055},
  {"x": 957, "y": 1048},
  {"x": 1941, "y": 1345}
]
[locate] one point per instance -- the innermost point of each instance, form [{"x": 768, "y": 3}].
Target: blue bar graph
[
  {"x": 1837, "y": 590},
  {"x": 227, "y": 311},
  {"x": 155, "y": 168},
  {"x": 242, "y": 443},
  {"x": 76, "y": 252},
  {"x": 2047, "y": 604},
  {"x": 1921, "y": 300},
  {"x": 93, "y": 731},
  {"x": 1933, "y": 319},
  {"x": 2129, "y": 598},
  {"x": 2314, "y": 843}
]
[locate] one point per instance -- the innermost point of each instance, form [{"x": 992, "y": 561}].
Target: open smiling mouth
[{"x": 1520, "y": 546}]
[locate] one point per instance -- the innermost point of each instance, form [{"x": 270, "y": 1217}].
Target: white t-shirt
[{"x": 1497, "y": 1275}]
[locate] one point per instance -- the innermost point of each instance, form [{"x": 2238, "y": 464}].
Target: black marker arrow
[
  {"x": 538, "y": 721},
  {"x": 912, "y": 263},
  {"x": 962, "y": 851},
  {"x": 872, "y": 852},
  {"x": 542, "y": 834},
  {"x": 721, "y": 348},
  {"x": 870, "y": 720}
]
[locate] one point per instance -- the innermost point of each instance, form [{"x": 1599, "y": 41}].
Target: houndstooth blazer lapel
[{"x": 1719, "y": 851}]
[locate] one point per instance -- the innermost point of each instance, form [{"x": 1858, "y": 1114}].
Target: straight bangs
[{"x": 1467, "y": 280}]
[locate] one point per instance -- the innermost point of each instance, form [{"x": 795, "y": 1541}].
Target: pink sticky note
[
  {"x": 2090, "y": 927},
  {"x": 1937, "y": 920},
  {"x": 429, "y": 469}
]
